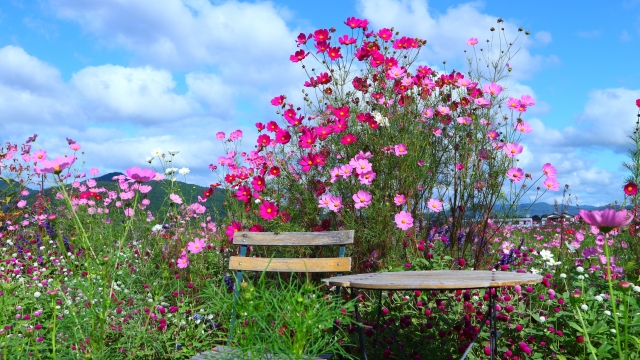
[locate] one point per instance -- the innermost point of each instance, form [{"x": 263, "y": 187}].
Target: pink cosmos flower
[
  {"x": 39, "y": 155},
  {"x": 258, "y": 183},
  {"x": 175, "y": 198},
  {"x": 607, "y": 219},
  {"x": 366, "y": 178},
  {"x": 515, "y": 174},
  {"x": 268, "y": 210},
  {"x": 94, "y": 171},
  {"x": 404, "y": 220},
  {"x": 464, "y": 120},
  {"x": 335, "y": 203},
  {"x": 348, "y": 139},
  {"x": 128, "y": 212},
  {"x": 523, "y": 127},
  {"x": 21, "y": 204},
  {"x": 396, "y": 72},
  {"x": 196, "y": 246},
  {"x": 549, "y": 170},
  {"x": 298, "y": 56},
  {"x": 324, "y": 201},
  {"x": 527, "y": 100},
  {"x": 443, "y": 110},
  {"x": 472, "y": 41},
  {"x": 346, "y": 40},
  {"x": 551, "y": 184},
  {"x": 492, "y": 89},
  {"x": 220, "y": 135},
  {"x": 513, "y": 103},
  {"x": 512, "y": 149},
  {"x": 75, "y": 146},
  {"x": 482, "y": 102},
  {"x": 428, "y": 113},
  {"x": 235, "y": 135},
  {"x": 400, "y": 149},
  {"x": 345, "y": 171},
  {"x": 493, "y": 135},
  {"x": 54, "y": 166},
  {"x": 459, "y": 167},
  {"x": 361, "y": 165},
  {"x": 399, "y": 199},
  {"x": 140, "y": 175},
  {"x": 435, "y": 205},
  {"x": 362, "y": 199},
  {"x": 183, "y": 262},
  {"x": 437, "y": 131}
]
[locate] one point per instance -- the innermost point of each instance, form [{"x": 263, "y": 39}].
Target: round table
[{"x": 436, "y": 280}]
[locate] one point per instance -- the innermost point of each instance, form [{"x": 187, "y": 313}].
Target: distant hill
[
  {"x": 159, "y": 196},
  {"x": 542, "y": 208}
]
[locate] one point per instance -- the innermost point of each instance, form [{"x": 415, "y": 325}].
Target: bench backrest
[{"x": 325, "y": 238}]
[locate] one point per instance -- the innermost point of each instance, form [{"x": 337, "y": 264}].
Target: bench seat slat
[
  {"x": 290, "y": 265},
  {"x": 294, "y": 238}
]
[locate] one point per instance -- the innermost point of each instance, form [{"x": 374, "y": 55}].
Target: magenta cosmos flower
[
  {"x": 515, "y": 174},
  {"x": 141, "y": 175},
  {"x": 54, "y": 166},
  {"x": 607, "y": 219},
  {"x": 404, "y": 220},
  {"x": 268, "y": 210},
  {"x": 631, "y": 189},
  {"x": 549, "y": 170}
]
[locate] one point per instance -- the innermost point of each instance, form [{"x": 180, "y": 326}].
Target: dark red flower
[{"x": 631, "y": 189}]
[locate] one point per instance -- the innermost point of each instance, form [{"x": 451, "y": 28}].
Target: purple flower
[{"x": 589, "y": 252}]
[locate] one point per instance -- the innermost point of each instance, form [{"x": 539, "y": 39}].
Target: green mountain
[{"x": 159, "y": 195}]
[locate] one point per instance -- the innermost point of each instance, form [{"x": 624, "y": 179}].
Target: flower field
[{"x": 422, "y": 165}]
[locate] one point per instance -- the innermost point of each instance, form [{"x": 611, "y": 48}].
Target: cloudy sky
[{"x": 124, "y": 77}]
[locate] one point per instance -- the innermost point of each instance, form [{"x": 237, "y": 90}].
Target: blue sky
[{"x": 124, "y": 77}]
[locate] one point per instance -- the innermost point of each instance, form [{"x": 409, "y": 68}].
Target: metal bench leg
[{"x": 491, "y": 315}]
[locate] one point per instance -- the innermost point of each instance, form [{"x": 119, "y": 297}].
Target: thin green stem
[
  {"x": 612, "y": 296},
  {"x": 586, "y": 333},
  {"x": 53, "y": 330},
  {"x": 626, "y": 329}
]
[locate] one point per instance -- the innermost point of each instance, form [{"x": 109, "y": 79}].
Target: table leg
[
  {"x": 358, "y": 323},
  {"x": 378, "y": 323},
  {"x": 494, "y": 334}
]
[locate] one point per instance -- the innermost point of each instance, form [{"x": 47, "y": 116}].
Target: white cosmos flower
[
  {"x": 552, "y": 262},
  {"x": 170, "y": 170},
  {"x": 184, "y": 171},
  {"x": 534, "y": 271},
  {"x": 546, "y": 254},
  {"x": 149, "y": 159},
  {"x": 156, "y": 152},
  {"x": 381, "y": 120},
  {"x": 173, "y": 152}
]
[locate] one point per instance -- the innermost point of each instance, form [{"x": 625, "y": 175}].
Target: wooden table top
[{"x": 434, "y": 280}]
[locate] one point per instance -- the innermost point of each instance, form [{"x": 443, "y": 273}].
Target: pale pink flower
[
  {"x": 523, "y": 127},
  {"x": 396, "y": 72},
  {"x": 196, "y": 246},
  {"x": 366, "y": 178},
  {"x": 94, "y": 171},
  {"x": 472, "y": 41},
  {"x": 335, "y": 203},
  {"x": 428, "y": 113},
  {"x": 482, "y": 102},
  {"x": 362, "y": 199},
  {"x": 141, "y": 175},
  {"x": 551, "y": 184},
  {"x": 361, "y": 165},
  {"x": 492, "y": 89},
  {"x": 175, "y": 198},
  {"x": 513, "y": 149},
  {"x": 128, "y": 211},
  {"x": 513, "y": 103},
  {"x": 22, "y": 203},
  {"x": 75, "y": 146},
  {"x": 434, "y": 205},
  {"x": 324, "y": 200},
  {"x": 399, "y": 199},
  {"x": 549, "y": 170},
  {"x": 443, "y": 110},
  {"x": 404, "y": 220},
  {"x": 607, "y": 219},
  {"x": 437, "y": 131},
  {"x": 345, "y": 171},
  {"x": 527, "y": 100},
  {"x": 464, "y": 120}
]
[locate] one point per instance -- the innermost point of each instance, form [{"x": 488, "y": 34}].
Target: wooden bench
[{"x": 304, "y": 265}]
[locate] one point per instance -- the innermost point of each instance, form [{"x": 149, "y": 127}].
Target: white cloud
[
  {"x": 27, "y": 73},
  {"x": 589, "y": 34},
  {"x": 445, "y": 35},
  {"x": 142, "y": 94},
  {"x": 542, "y": 37}
]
